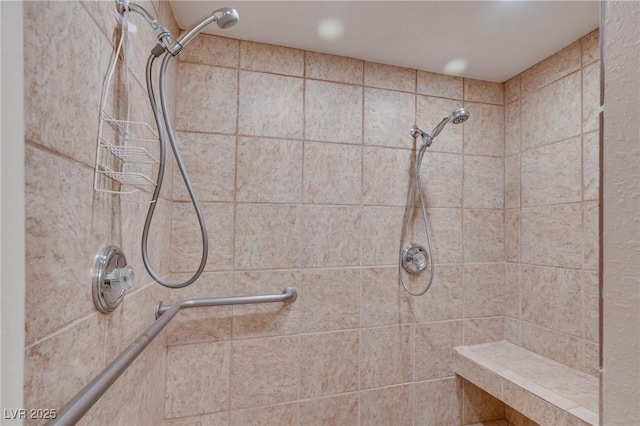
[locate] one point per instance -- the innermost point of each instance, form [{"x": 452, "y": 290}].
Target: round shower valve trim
[
  {"x": 112, "y": 277},
  {"x": 415, "y": 258}
]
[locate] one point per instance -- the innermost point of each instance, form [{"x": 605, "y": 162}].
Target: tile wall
[
  {"x": 302, "y": 162},
  {"x": 552, "y": 206},
  {"x": 67, "y": 52}
]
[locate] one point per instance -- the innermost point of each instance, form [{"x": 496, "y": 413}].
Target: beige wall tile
[
  {"x": 592, "y": 358},
  {"x": 389, "y": 77},
  {"x": 64, "y": 230},
  {"x": 218, "y": 419},
  {"x": 386, "y": 356},
  {"x": 556, "y": 66},
  {"x": 483, "y": 290},
  {"x": 270, "y": 58},
  {"x": 386, "y": 174},
  {"x": 334, "y": 68},
  {"x": 381, "y": 231},
  {"x": 479, "y": 406},
  {"x": 206, "y": 99},
  {"x": 329, "y": 299},
  {"x": 591, "y": 233},
  {"x": 444, "y": 86},
  {"x": 330, "y": 363},
  {"x": 72, "y": 77},
  {"x": 429, "y": 112},
  {"x": 483, "y": 91},
  {"x": 443, "y": 300},
  {"x": 512, "y": 290},
  {"x": 57, "y": 368},
  {"x": 442, "y": 179},
  {"x": 333, "y": 236},
  {"x": 559, "y": 163},
  {"x": 283, "y": 414},
  {"x": 446, "y": 233},
  {"x": 264, "y": 371},
  {"x": 337, "y": 410},
  {"x": 388, "y": 117},
  {"x": 197, "y": 379},
  {"x": 590, "y": 47},
  {"x": 483, "y": 330},
  {"x": 560, "y": 347},
  {"x": 591, "y": 166},
  {"x": 512, "y": 330},
  {"x": 434, "y": 349},
  {"x": 388, "y": 406},
  {"x": 512, "y": 89},
  {"x": 591, "y": 288},
  {"x": 483, "y": 182},
  {"x": 267, "y": 236},
  {"x": 383, "y": 300},
  {"x": 591, "y": 97},
  {"x": 186, "y": 238},
  {"x": 552, "y": 113},
  {"x": 512, "y": 235},
  {"x": 332, "y": 173},
  {"x": 270, "y": 105},
  {"x": 333, "y": 112},
  {"x": 267, "y": 319},
  {"x": 512, "y": 182},
  {"x": 206, "y": 156},
  {"x": 551, "y": 297},
  {"x": 552, "y": 236},
  {"x": 212, "y": 50},
  {"x": 269, "y": 171},
  {"x": 438, "y": 402},
  {"x": 207, "y": 324},
  {"x": 483, "y": 235},
  {"x": 484, "y": 131},
  {"x": 513, "y": 128}
]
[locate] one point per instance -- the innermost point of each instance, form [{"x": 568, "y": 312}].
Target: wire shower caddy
[{"x": 123, "y": 163}]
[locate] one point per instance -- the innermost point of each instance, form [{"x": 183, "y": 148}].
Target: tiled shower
[{"x": 302, "y": 163}]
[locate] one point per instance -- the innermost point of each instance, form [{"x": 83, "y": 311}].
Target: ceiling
[{"x": 487, "y": 40}]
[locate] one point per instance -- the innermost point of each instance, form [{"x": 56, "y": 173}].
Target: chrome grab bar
[{"x": 78, "y": 406}]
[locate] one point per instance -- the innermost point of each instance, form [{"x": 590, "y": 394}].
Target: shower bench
[{"x": 546, "y": 391}]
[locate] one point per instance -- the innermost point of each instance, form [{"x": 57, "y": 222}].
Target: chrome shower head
[
  {"x": 459, "y": 116},
  {"x": 225, "y": 17}
]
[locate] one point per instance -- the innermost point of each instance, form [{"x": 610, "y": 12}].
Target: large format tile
[
  {"x": 441, "y": 176},
  {"x": 270, "y": 105},
  {"x": 212, "y": 50},
  {"x": 484, "y": 290},
  {"x": 386, "y": 356},
  {"x": 269, "y": 171},
  {"x": 330, "y": 363},
  {"x": 264, "y": 371},
  {"x": 512, "y": 178},
  {"x": 552, "y": 113},
  {"x": 483, "y": 182},
  {"x": 267, "y": 236},
  {"x": 270, "y": 58},
  {"x": 484, "y": 130},
  {"x": 387, "y": 406},
  {"x": 482, "y": 91},
  {"x": 591, "y": 97},
  {"x": 434, "y": 349},
  {"x": 483, "y": 235},
  {"x": 207, "y": 98},
  {"x": 383, "y": 300},
  {"x": 438, "y": 402},
  {"x": 281, "y": 414},
  {"x": 333, "y": 112},
  {"x": 552, "y": 235},
  {"x": 553, "y": 68},
  {"x": 552, "y": 174},
  {"x": 443, "y": 301},
  {"x": 590, "y": 47},
  {"x": 332, "y": 173},
  {"x": 513, "y": 128},
  {"x": 591, "y": 166},
  {"x": 381, "y": 232},
  {"x": 336, "y": 410},
  {"x": 429, "y": 112},
  {"x": 386, "y": 176},
  {"x": 197, "y": 379},
  {"x": 441, "y": 85},
  {"x": 334, "y": 68},
  {"x": 389, "y": 77},
  {"x": 388, "y": 116},
  {"x": 558, "y": 346},
  {"x": 512, "y": 235},
  {"x": 512, "y": 89}
]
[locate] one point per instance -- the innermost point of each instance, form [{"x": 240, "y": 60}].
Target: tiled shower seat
[{"x": 543, "y": 390}]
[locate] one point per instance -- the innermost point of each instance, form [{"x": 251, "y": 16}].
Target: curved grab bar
[{"x": 78, "y": 406}]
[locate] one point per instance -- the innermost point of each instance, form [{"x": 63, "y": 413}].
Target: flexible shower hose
[
  {"x": 416, "y": 184},
  {"x": 166, "y": 120}
]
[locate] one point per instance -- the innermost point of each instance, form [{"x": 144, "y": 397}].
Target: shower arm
[{"x": 164, "y": 35}]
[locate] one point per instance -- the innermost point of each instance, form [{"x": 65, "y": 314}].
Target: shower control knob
[
  {"x": 414, "y": 258},
  {"x": 121, "y": 278}
]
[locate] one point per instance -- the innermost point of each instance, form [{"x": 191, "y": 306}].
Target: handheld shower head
[
  {"x": 458, "y": 116},
  {"x": 225, "y": 17}
]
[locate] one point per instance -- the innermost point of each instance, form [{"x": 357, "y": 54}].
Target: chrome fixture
[
  {"x": 112, "y": 277},
  {"x": 414, "y": 258},
  {"x": 82, "y": 402},
  {"x": 225, "y": 18}
]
